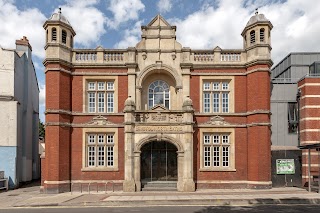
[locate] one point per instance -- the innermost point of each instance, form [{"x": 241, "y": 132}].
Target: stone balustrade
[
  {"x": 85, "y": 56},
  {"x": 114, "y": 56},
  {"x": 232, "y": 56},
  {"x": 121, "y": 56},
  {"x": 203, "y": 56}
]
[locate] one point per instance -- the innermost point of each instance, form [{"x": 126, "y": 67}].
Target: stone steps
[{"x": 160, "y": 186}]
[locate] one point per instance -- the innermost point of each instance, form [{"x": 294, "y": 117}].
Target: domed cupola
[
  {"x": 257, "y": 37},
  {"x": 59, "y": 30},
  {"x": 257, "y": 30}
]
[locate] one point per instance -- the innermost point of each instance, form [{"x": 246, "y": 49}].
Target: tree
[{"x": 41, "y": 129}]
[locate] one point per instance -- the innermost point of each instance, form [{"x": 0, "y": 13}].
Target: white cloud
[
  {"x": 86, "y": 19},
  {"x": 16, "y": 23},
  {"x": 131, "y": 36},
  {"x": 295, "y": 28},
  {"x": 123, "y": 11},
  {"x": 164, "y": 6}
]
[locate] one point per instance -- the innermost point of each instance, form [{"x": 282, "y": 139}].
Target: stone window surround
[
  {"x": 230, "y": 79},
  {"x": 85, "y": 132},
  {"x": 231, "y": 132},
  {"x": 86, "y": 79}
]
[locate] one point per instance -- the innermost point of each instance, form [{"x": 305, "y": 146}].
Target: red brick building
[{"x": 157, "y": 113}]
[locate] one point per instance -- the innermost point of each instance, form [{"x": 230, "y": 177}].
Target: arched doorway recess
[{"x": 159, "y": 162}]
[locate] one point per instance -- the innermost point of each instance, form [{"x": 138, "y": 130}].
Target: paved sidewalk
[{"x": 31, "y": 197}]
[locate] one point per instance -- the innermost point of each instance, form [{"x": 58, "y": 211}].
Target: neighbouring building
[
  {"x": 295, "y": 97},
  {"x": 157, "y": 114},
  {"x": 19, "y": 114}
]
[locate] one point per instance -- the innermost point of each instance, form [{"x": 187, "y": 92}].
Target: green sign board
[{"x": 285, "y": 166}]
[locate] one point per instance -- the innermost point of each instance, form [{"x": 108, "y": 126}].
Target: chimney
[
  {"x": 24, "y": 42},
  {"x": 24, "y": 45}
]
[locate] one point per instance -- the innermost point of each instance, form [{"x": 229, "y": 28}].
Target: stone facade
[{"x": 157, "y": 93}]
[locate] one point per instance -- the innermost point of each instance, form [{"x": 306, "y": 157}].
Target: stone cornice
[
  {"x": 231, "y": 74},
  {"x": 57, "y": 70},
  {"x": 96, "y": 122},
  {"x": 269, "y": 62},
  {"x": 97, "y": 73},
  {"x": 98, "y": 65},
  {"x": 240, "y": 114},
  {"x": 68, "y": 112},
  {"x": 47, "y": 61},
  {"x": 219, "y": 122}
]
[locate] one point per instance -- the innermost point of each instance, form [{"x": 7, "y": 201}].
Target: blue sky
[{"x": 202, "y": 24}]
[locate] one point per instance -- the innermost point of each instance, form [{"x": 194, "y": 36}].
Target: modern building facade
[
  {"x": 286, "y": 100},
  {"x": 19, "y": 114},
  {"x": 157, "y": 112}
]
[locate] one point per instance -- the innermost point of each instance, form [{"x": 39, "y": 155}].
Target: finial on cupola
[{"x": 256, "y": 11}]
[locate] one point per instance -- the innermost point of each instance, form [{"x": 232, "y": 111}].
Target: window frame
[
  {"x": 54, "y": 34},
  {"x": 164, "y": 94},
  {"x": 64, "y": 36},
  {"x": 216, "y": 97},
  {"x": 101, "y": 163},
  {"x": 262, "y": 35},
  {"x": 293, "y": 117},
  {"x": 211, "y": 132},
  {"x": 96, "y": 108},
  {"x": 252, "y": 37}
]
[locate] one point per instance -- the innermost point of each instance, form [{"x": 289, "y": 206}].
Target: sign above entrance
[{"x": 159, "y": 128}]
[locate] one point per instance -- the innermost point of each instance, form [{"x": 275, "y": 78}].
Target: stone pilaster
[{"x": 129, "y": 183}]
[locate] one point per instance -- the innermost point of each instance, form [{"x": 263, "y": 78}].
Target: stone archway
[
  {"x": 154, "y": 73},
  {"x": 172, "y": 171},
  {"x": 159, "y": 162}
]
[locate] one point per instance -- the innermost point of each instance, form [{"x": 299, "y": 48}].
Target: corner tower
[
  {"x": 257, "y": 37},
  {"x": 58, "y": 68}
]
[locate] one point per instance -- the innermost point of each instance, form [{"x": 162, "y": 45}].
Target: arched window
[
  {"x": 64, "y": 37},
  {"x": 54, "y": 34},
  {"x": 252, "y": 37},
  {"x": 262, "y": 35},
  {"x": 47, "y": 36},
  {"x": 158, "y": 94}
]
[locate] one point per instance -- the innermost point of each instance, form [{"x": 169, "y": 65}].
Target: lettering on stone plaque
[
  {"x": 158, "y": 117},
  {"x": 159, "y": 128}
]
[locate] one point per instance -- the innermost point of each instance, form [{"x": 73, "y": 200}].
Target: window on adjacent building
[
  {"x": 64, "y": 37},
  {"x": 54, "y": 34},
  {"x": 100, "y": 150},
  {"x": 262, "y": 35},
  {"x": 159, "y": 94},
  {"x": 216, "y": 150},
  {"x": 216, "y": 96},
  {"x": 100, "y": 96},
  {"x": 293, "y": 117},
  {"x": 252, "y": 37}
]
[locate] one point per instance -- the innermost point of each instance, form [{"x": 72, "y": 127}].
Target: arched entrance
[{"x": 159, "y": 162}]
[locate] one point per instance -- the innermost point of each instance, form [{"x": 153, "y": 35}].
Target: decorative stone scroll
[
  {"x": 218, "y": 121},
  {"x": 159, "y": 128},
  {"x": 100, "y": 121}
]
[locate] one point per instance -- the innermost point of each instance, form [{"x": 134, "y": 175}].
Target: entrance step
[{"x": 160, "y": 186}]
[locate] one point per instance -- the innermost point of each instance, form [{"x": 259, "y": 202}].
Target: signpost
[{"x": 285, "y": 166}]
